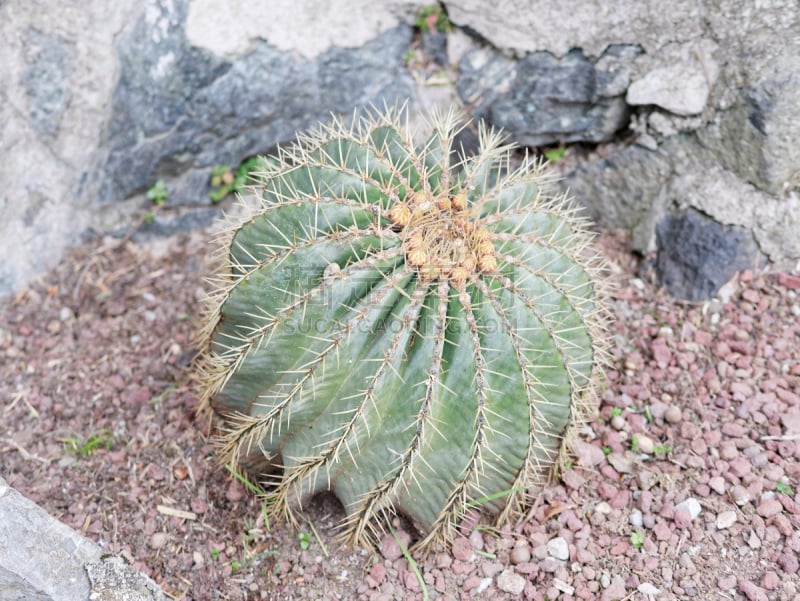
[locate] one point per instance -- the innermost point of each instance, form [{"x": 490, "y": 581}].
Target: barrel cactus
[{"x": 416, "y": 333}]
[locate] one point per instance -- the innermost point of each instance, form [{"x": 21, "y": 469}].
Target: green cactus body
[{"x": 414, "y": 336}]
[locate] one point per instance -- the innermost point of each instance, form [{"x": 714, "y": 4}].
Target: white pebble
[
  {"x": 646, "y": 444},
  {"x": 648, "y": 589},
  {"x": 691, "y": 505},
  {"x": 510, "y": 582},
  {"x": 65, "y": 314},
  {"x": 726, "y": 519},
  {"x": 563, "y": 587},
  {"x": 635, "y": 518},
  {"x": 558, "y": 548},
  {"x": 673, "y": 414}
]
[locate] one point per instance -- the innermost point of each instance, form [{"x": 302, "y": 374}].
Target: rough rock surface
[
  {"x": 541, "y": 99},
  {"x": 593, "y": 25},
  {"x": 211, "y": 110},
  {"x": 709, "y": 89},
  {"x": 42, "y": 559},
  {"x": 637, "y": 187},
  {"x": 697, "y": 255},
  {"x": 98, "y": 104}
]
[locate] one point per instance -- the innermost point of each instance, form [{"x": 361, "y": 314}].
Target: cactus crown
[{"x": 415, "y": 334}]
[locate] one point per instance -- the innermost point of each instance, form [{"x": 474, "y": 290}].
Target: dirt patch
[{"x": 685, "y": 487}]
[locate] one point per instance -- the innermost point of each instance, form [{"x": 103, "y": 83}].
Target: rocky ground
[{"x": 684, "y": 487}]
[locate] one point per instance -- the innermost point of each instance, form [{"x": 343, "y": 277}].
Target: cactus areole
[{"x": 417, "y": 335}]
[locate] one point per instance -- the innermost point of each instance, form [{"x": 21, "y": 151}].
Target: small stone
[
  {"x": 158, "y": 540},
  {"x": 378, "y": 572},
  {"x": 520, "y": 554},
  {"x": 390, "y": 548},
  {"x": 623, "y": 463},
  {"x": 462, "y": 549},
  {"x": 673, "y": 415},
  {"x": 726, "y": 519},
  {"x": 558, "y": 548},
  {"x": 510, "y": 582},
  {"x": 717, "y": 484},
  {"x": 726, "y": 583},
  {"x": 54, "y": 326},
  {"x": 618, "y": 422},
  {"x": 587, "y": 455},
  {"x": 791, "y": 422},
  {"x": 471, "y": 583},
  {"x": 562, "y": 586},
  {"x": 662, "y": 531},
  {"x": 646, "y": 444},
  {"x": 751, "y": 591},
  {"x": 788, "y": 563},
  {"x": 635, "y": 518},
  {"x": 691, "y": 505},
  {"x": 770, "y": 580},
  {"x": 682, "y": 518},
  {"x": 769, "y": 507},
  {"x": 65, "y": 314},
  {"x": 648, "y": 589},
  {"x": 234, "y": 491},
  {"x": 740, "y": 495},
  {"x": 615, "y": 590}
]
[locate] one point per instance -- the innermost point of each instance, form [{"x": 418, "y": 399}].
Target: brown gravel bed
[{"x": 685, "y": 487}]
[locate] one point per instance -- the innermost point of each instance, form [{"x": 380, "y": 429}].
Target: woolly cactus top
[{"x": 415, "y": 335}]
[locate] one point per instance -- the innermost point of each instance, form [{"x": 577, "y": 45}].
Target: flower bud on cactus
[{"x": 417, "y": 335}]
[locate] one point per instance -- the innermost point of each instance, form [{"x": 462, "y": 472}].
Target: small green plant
[
  {"x": 635, "y": 443},
  {"x": 606, "y": 450},
  {"x": 214, "y": 552},
  {"x": 83, "y": 447},
  {"x": 225, "y": 180},
  {"x": 662, "y": 449},
  {"x": 433, "y": 18},
  {"x": 555, "y": 154},
  {"x": 616, "y": 411},
  {"x": 149, "y": 217},
  {"x": 158, "y": 193},
  {"x": 414, "y": 334},
  {"x": 637, "y": 539},
  {"x": 784, "y": 489},
  {"x": 305, "y": 540}
]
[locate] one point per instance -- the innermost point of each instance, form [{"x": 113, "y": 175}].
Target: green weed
[
  {"x": 83, "y": 447},
  {"x": 158, "y": 193}
]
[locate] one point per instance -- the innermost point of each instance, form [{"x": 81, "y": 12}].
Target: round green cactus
[{"x": 415, "y": 334}]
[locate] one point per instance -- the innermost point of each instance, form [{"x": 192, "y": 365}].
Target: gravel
[{"x": 685, "y": 486}]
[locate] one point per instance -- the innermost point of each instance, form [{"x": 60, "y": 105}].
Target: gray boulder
[
  {"x": 697, "y": 255},
  {"x": 709, "y": 91},
  {"x": 99, "y": 101},
  {"x": 42, "y": 559},
  {"x": 541, "y": 99}
]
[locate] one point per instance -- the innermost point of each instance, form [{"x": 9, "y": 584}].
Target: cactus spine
[{"x": 412, "y": 334}]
